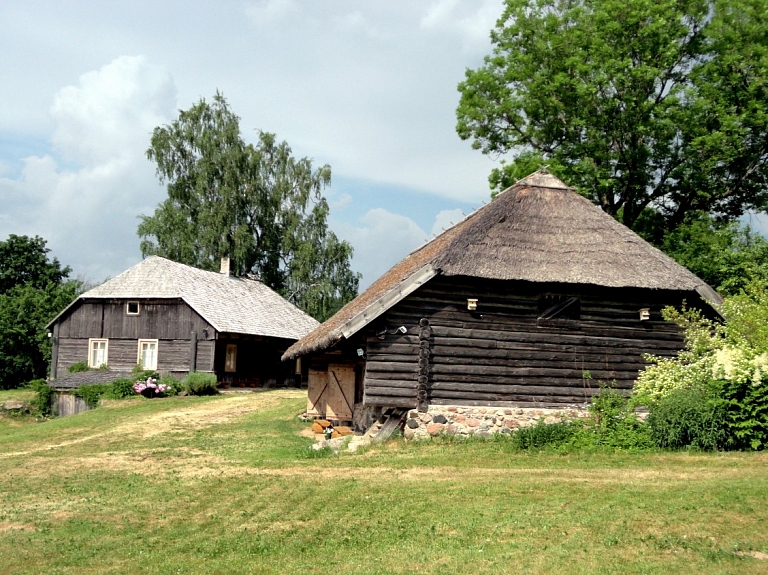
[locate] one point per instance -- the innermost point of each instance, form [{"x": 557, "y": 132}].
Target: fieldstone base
[{"x": 481, "y": 421}]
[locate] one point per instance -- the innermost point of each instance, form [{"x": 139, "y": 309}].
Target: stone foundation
[{"x": 481, "y": 421}]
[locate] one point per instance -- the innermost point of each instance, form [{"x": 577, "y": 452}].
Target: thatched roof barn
[
  {"x": 176, "y": 319},
  {"x": 515, "y": 304}
]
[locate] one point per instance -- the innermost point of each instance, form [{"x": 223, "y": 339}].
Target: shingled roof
[
  {"x": 539, "y": 230},
  {"x": 230, "y": 304}
]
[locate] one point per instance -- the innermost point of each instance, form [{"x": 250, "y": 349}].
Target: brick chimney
[{"x": 225, "y": 266}]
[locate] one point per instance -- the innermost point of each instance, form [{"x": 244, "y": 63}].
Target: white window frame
[
  {"x": 140, "y": 359},
  {"x": 227, "y": 367},
  {"x": 93, "y": 340},
  {"x": 129, "y": 312}
]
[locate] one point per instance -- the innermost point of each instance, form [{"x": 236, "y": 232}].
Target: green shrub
[
  {"x": 689, "y": 417},
  {"x": 43, "y": 395},
  {"x": 91, "y": 394},
  {"x": 200, "y": 384},
  {"x": 746, "y": 412},
  {"x": 121, "y": 389},
  {"x": 543, "y": 435},
  {"x": 139, "y": 373},
  {"x": 78, "y": 367},
  {"x": 175, "y": 385}
]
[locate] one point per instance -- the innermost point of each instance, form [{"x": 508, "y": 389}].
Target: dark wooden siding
[
  {"x": 71, "y": 351},
  {"x": 171, "y": 322},
  {"x": 502, "y": 354},
  {"x": 158, "y": 319}
]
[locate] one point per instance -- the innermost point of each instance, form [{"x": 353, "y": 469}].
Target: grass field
[{"x": 227, "y": 485}]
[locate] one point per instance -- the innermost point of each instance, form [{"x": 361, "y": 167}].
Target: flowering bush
[
  {"x": 724, "y": 362},
  {"x": 150, "y": 388}
]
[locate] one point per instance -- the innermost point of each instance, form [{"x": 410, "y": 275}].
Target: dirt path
[{"x": 184, "y": 418}]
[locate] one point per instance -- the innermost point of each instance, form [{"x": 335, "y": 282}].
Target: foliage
[
  {"x": 92, "y": 393},
  {"x": 687, "y": 417},
  {"x": 647, "y": 105},
  {"x": 172, "y": 385},
  {"x": 197, "y": 383},
  {"x": 138, "y": 372},
  {"x": 724, "y": 254},
  {"x": 611, "y": 424},
  {"x": 726, "y": 363},
  {"x": 78, "y": 367},
  {"x": 745, "y": 404},
  {"x": 121, "y": 388},
  {"x": 256, "y": 204},
  {"x": 541, "y": 435},
  {"x": 43, "y": 396},
  {"x": 33, "y": 290}
]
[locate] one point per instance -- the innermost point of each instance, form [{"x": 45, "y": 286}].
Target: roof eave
[{"x": 369, "y": 313}]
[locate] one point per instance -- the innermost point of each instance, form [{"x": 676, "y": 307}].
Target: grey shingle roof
[
  {"x": 229, "y": 304},
  {"x": 75, "y": 380}
]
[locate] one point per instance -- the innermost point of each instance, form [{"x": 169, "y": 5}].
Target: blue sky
[{"x": 368, "y": 87}]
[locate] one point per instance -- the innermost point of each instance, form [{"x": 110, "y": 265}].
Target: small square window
[{"x": 132, "y": 308}]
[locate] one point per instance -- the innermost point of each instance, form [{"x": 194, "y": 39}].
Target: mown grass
[{"x": 227, "y": 485}]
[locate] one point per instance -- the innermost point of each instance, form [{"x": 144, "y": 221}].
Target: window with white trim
[
  {"x": 230, "y": 360},
  {"x": 132, "y": 308},
  {"x": 97, "y": 352},
  {"x": 148, "y": 353}
]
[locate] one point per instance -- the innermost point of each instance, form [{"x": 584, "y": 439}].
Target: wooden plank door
[
  {"x": 317, "y": 392},
  {"x": 341, "y": 392}
]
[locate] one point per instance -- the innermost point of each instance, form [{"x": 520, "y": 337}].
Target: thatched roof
[
  {"x": 230, "y": 304},
  {"x": 539, "y": 230}
]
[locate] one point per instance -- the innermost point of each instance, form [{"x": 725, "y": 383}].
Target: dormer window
[{"x": 132, "y": 308}]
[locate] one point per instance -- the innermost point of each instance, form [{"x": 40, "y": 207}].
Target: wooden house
[
  {"x": 176, "y": 319},
  {"x": 531, "y": 301}
]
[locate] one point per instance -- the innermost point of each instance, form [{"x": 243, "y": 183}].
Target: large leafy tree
[
  {"x": 645, "y": 105},
  {"x": 256, "y": 204},
  {"x": 33, "y": 289}
]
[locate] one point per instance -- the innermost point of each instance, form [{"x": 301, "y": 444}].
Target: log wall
[{"x": 502, "y": 354}]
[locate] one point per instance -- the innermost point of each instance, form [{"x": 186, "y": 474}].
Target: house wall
[
  {"x": 258, "y": 360},
  {"x": 182, "y": 334},
  {"x": 502, "y": 354}
]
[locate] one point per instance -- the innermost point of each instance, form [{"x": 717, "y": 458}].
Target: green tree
[
  {"x": 255, "y": 204},
  {"x": 33, "y": 289},
  {"x": 648, "y": 104},
  {"x": 726, "y": 255}
]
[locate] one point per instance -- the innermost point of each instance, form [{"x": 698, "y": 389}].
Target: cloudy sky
[{"x": 368, "y": 87}]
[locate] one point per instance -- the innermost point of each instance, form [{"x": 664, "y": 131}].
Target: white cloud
[
  {"x": 269, "y": 12},
  {"x": 87, "y": 208},
  {"x": 445, "y": 219},
  {"x": 112, "y": 111},
  {"x": 472, "y": 21},
  {"x": 383, "y": 240}
]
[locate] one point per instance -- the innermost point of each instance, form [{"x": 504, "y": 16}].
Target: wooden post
[
  {"x": 192, "y": 351},
  {"x": 425, "y": 334}
]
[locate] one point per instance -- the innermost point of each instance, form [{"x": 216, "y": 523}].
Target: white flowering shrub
[
  {"x": 735, "y": 350},
  {"x": 725, "y": 362}
]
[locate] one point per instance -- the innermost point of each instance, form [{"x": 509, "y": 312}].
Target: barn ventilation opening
[{"x": 559, "y": 310}]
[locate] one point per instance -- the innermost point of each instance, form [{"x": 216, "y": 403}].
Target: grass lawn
[{"x": 227, "y": 485}]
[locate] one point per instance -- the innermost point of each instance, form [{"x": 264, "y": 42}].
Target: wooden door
[
  {"x": 317, "y": 392},
  {"x": 341, "y": 392}
]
